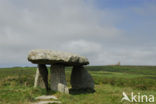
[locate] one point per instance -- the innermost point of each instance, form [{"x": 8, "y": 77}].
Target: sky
[{"x": 105, "y": 31}]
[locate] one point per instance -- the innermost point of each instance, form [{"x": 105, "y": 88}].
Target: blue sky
[
  {"x": 119, "y": 4},
  {"x": 138, "y": 17},
  {"x": 105, "y": 31}
]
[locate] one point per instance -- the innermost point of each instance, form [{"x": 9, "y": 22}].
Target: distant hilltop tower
[{"x": 118, "y": 64}]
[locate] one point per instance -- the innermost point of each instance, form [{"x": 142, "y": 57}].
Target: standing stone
[
  {"x": 44, "y": 74},
  {"x": 81, "y": 79},
  {"x": 58, "y": 80},
  {"x": 38, "y": 80}
]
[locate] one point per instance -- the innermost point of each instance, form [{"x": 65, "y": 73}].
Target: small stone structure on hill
[{"x": 80, "y": 78}]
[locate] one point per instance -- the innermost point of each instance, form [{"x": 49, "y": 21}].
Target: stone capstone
[{"x": 41, "y": 56}]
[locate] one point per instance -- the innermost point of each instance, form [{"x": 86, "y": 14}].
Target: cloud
[
  {"x": 69, "y": 25},
  {"x": 100, "y": 54},
  {"x": 83, "y": 47}
]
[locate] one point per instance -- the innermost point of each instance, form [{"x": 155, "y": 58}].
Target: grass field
[{"x": 16, "y": 85}]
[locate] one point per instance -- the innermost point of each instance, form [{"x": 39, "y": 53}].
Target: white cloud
[
  {"x": 83, "y": 47},
  {"x": 69, "y": 25}
]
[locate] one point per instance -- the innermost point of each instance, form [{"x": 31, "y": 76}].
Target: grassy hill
[{"x": 16, "y": 85}]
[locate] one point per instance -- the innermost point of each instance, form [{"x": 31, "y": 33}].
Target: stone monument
[{"x": 80, "y": 78}]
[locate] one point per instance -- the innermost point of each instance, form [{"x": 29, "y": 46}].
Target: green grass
[{"x": 16, "y": 84}]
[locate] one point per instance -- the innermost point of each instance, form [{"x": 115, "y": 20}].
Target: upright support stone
[
  {"x": 38, "y": 80},
  {"x": 81, "y": 79},
  {"x": 44, "y": 74},
  {"x": 58, "y": 80}
]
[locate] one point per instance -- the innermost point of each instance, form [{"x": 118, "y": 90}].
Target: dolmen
[{"x": 80, "y": 78}]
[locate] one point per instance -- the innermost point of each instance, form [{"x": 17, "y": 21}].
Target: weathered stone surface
[
  {"x": 81, "y": 79},
  {"x": 38, "y": 80},
  {"x": 44, "y": 74},
  {"x": 63, "y": 88},
  {"x": 41, "y": 56},
  {"x": 58, "y": 80},
  {"x": 46, "y": 97},
  {"x": 47, "y": 102}
]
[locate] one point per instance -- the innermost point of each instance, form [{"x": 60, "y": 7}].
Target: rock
[
  {"x": 38, "y": 80},
  {"x": 81, "y": 79},
  {"x": 46, "y": 97},
  {"x": 44, "y": 74},
  {"x": 58, "y": 80},
  {"x": 63, "y": 88},
  {"x": 41, "y": 56},
  {"x": 47, "y": 102}
]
